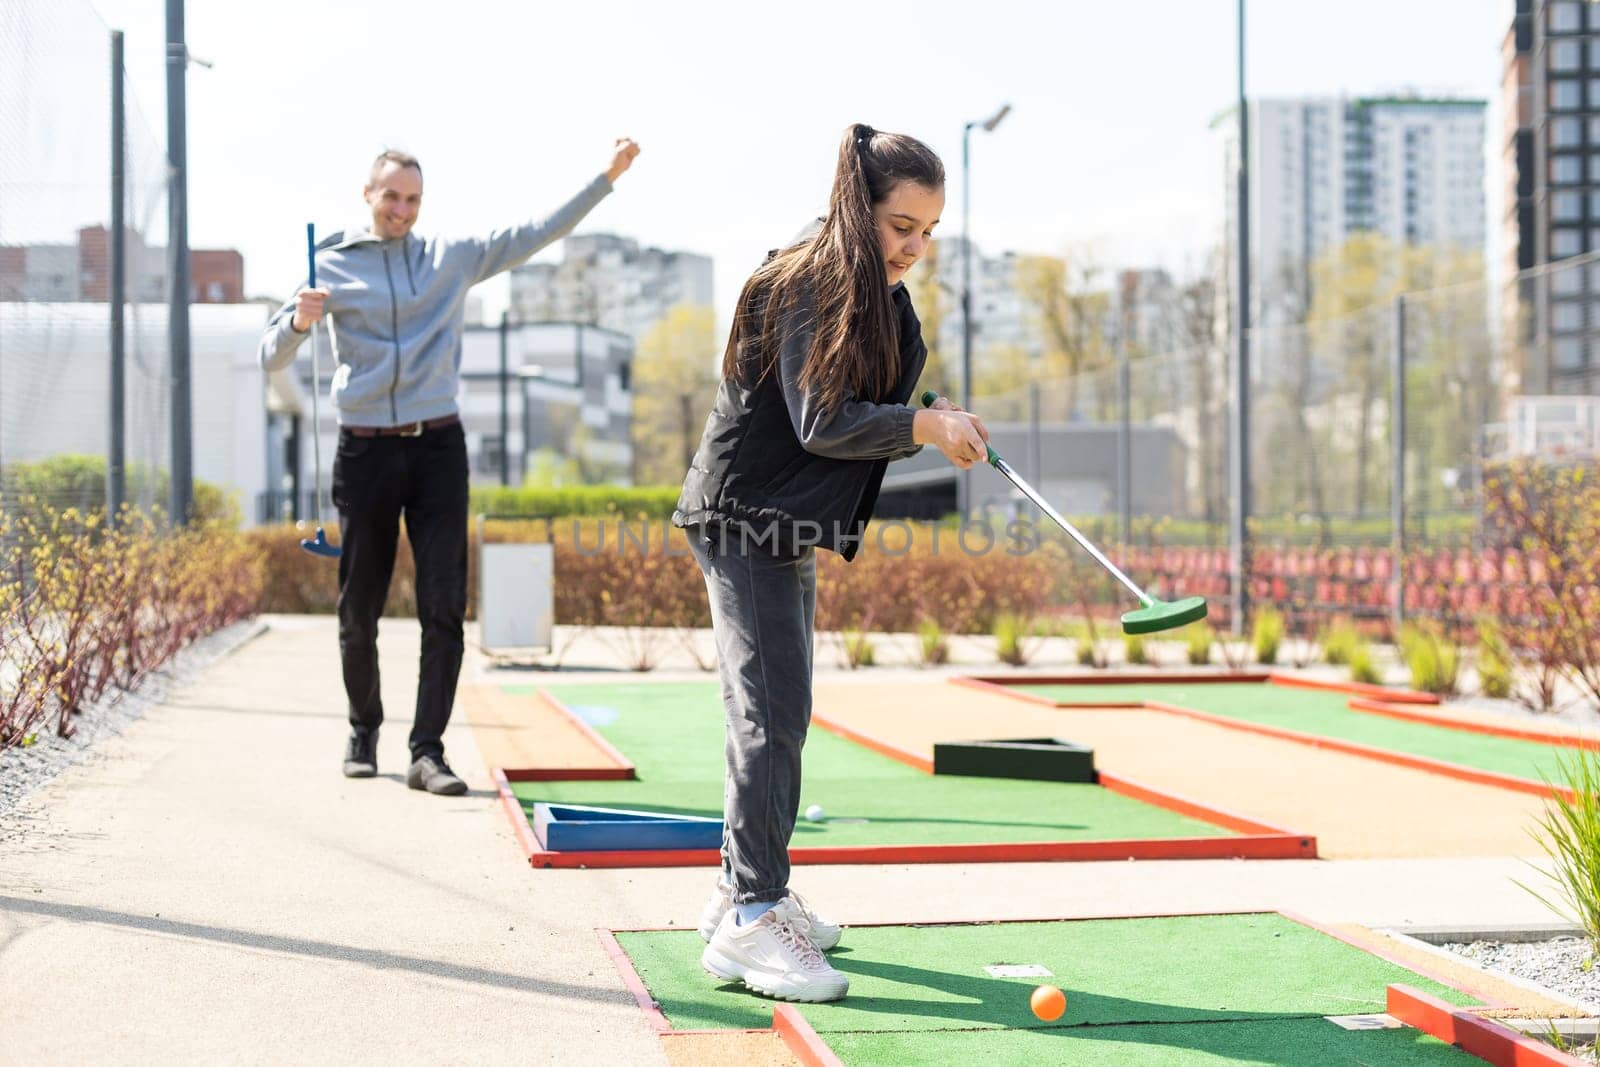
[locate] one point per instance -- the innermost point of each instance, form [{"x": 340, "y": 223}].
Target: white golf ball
[{"x": 814, "y": 813}]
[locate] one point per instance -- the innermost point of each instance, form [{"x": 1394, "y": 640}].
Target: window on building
[
  {"x": 489, "y": 453},
  {"x": 1594, "y": 53},
  {"x": 1566, "y": 94},
  {"x": 1566, "y": 316},
  {"x": 1566, "y": 55},
  {"x": 1565, "y": 132},
  {"x": 1567, "y": 282},
  {"x": 1566, "y": 16},
  {"x": 625, "y": 376},
  {"x": 214, "y": 292},
  {"x": 1565, "y": 241},
  {"x": 1566, "y": 206},
  {"x": 1567, "y": 353}
]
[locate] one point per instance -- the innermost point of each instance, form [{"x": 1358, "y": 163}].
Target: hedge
[
  {"x": 652, "y": 502},
  {"x": 84, "y": 608}
]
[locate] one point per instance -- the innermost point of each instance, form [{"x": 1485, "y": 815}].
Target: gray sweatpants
[{"x": 762, "y": 608}]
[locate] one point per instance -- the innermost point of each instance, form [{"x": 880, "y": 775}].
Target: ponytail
[{"x": 855, "y": 344}]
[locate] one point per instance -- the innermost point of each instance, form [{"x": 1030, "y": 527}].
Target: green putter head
[{"x": 1158, "y": 615}]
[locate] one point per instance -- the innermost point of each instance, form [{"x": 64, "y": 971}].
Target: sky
[{"x": 739, "y": 108}]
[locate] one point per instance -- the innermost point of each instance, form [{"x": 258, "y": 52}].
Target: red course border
[
  {"x": 1483, "y": 1038},
  {"x": 1458, "y": 1026},
  {"x": 1361, "y": 701},
  {"x": 1257, "y": 840}
]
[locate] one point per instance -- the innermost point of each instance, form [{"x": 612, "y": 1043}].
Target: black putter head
[{"x": 318, "y": 545}]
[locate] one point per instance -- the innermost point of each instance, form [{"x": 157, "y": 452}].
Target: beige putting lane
[
  {"x": 518, "y": 730},
  {"x": 1355, "y": 807}
]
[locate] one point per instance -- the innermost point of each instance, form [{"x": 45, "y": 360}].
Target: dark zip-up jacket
[
  {"x": 396, "y": 312},
  {"x": 786, "y": 472}
]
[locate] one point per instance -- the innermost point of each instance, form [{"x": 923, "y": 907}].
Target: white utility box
[{"x": 516, "y": 596}]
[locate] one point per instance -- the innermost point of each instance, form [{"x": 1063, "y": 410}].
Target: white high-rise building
[
  {"x": 610, "y": 281},
  {"x": 1000, "y": 314},
  {"x": 1321, "y": 170}
]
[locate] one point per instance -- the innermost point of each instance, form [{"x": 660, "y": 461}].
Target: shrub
[
  {"x": 1089, "y": 652},
  {"x": 1494, "y": 660},
  {"x": 84, "y": 606},
  {"x": 858, "y": 649},
  {"x": 1012, "y": 639},
  {"x": 1571, "y": 838},
  {"x": 1198, "y": 639},
  {"x": 1339, "y": 642},
  {"x": 932, "y": 644},
  {"x": 57, "y": 484},
  {"x": 1133, "y": 649},
  {"x": 576, "y": 501},
  {"x": 1362, "y": 669},
  {"x": 1266, "y": 634},
  {"x": 1432, "y": 657},
  {"x": 1551, "y": 514}
]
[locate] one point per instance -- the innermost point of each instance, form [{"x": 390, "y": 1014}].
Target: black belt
[{"x": 410, "y": 429}]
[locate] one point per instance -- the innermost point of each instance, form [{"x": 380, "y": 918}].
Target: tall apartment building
[
  {"x": 1000, "y": 314},
  {"x": 611, "y": 282},
  {"x": 1551, "y": 170},
  {"x": 1322, "y": 170}
]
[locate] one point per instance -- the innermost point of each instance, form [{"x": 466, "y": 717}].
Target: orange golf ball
[{"x": 1048, "y": 1003}]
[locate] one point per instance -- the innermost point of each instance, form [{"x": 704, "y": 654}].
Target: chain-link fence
[
  {"x": 1370, "y": 432},
  {"x": 55, "y": 266}
]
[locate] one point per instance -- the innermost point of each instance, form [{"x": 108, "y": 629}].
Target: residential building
[
  {"x": 1324, "y": 169},
  {"x": 1551, "y": 173},
  {"x": 611, "y": 282},
  {"x": 82, "y": 271},
  {"x": 567, "y": 388}
]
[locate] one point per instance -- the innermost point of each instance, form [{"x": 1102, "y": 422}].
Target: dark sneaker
[
  {"x": 361, "y": 754},
  {"x": 434, "y": 774}
]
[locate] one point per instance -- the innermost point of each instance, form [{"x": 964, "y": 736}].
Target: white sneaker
[
  {"x": 773, "y": 956},
  {"x": 824, "y": 934}
]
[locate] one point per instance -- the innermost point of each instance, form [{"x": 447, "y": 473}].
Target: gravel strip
[
  {"x": 1565, "y": 965},
  {"x": 25, "y": 770}
]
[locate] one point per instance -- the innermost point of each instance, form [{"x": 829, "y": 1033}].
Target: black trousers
[{"x": 376, "y": 482}]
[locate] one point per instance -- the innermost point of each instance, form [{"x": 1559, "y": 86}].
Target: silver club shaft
[{"x": 1116, "y": 572}]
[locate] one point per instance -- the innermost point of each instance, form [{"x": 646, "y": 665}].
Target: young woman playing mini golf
[{"x": 817, "y": 381}]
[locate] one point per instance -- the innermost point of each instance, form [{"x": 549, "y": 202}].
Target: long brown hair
[{"x": 855, "y": 344}]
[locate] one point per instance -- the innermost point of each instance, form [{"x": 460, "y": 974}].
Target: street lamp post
[
  {"x": 964, "y": 504},
  {"x": 1239, "y": 520},
  {"x": 505, "y": 381}
]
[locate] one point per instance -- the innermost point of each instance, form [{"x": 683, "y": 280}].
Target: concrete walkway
[{"x": 207, "y": 888}]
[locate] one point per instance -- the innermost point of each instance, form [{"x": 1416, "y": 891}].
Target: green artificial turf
[
  {"x": 1191, "y": 970},
  {"x": 1326, "y": 715},
  {"x": 1287, "y": 1042},
  {"x": 673, "y": 732}
]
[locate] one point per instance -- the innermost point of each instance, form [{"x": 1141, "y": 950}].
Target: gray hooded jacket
[{"x": 396, "y": 312}]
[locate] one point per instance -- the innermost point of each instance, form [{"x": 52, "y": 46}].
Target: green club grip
[{"x": 928, "y": 399}]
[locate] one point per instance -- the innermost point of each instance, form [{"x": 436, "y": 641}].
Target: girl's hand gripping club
[{"x": 1153, "y": 615}]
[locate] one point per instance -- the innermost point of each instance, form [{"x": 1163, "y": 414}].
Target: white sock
[{"x": 749, "y": 913}]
